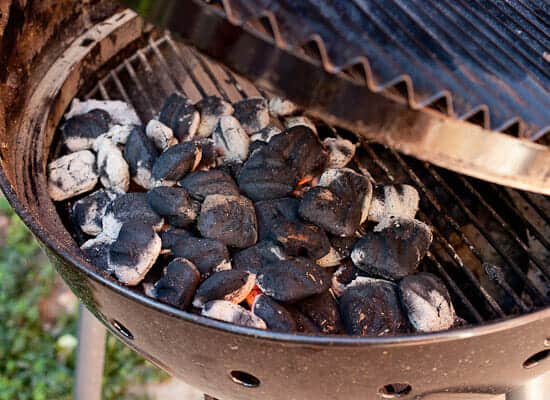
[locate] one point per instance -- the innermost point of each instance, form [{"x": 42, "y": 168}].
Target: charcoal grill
[{"x": 491, "y": 243}]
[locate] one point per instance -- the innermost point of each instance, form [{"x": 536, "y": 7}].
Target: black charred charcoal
[
  {"x": 178, "y": 283},
  {"x": 134, "y": 252},
  {"x": 303, "y": 323},
  {"x": 200, "y": 184},
  {"x": 180, "y": 115},
  {"x": 114, "y": 173},
  {"x": 208, "y": 153},
  {"x": 233, "y": 313},
  {"x": 255, "y": 145},
  {"x": 230, "y": 285},
  {"x": 161, "y": 135},
  {"x": 230, "y": 140},
  {"x": 337, "y": 204},
  {"x": 343, "y": 276},
  {"x": 279, "y": 107},
  {"x": 88, "y": 211},
  {"x": 276, "y": 317},
  {"x": 272, "y": 212},
  {"x": 323, "y": 310},
  {"x": 71, "y": 175},
  {"x": 395, "y": 251},
  {"x": 265, "y": 135},
  {"x": 252, "y": 113},
  {"x": 96, "y": 251},
  {"x": 299, "y": 239},
  {"x": 141, "y": 154},
  {"x": 393, "y": 201},
  {"x": 302, "y": 150},
  {"x": 229, "y": 219},
  {"x": 211, "y": 109},
  {"x": 231, "y": 168},
  {"x": 371, "y": 307},
  {"x": 343, "y": 245},
  {"x": 206, "y": 254},
  {"x": 81, "y": 131},
  {"x": 171, "y": 236},
  {"x": 174, "y": 204},
  {"x": 129, "y": 207},
  {"x": 253, "y": 258},
  {"x": 176, "y": 162},
  {"x": 341, "y": 152},
  {"x": 427, "y": 302},
  {"x": 292, "y": 280},
  {"x": 266, "y": 175}
]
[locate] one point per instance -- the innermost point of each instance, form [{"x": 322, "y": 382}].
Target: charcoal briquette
[
  {"x": 395, "y": 251},
  {"x": 229, "y": 219},
  {"x": 206, "y": 254},
  {"x": 252, "y": 114},
  {"x": 114, "y": 172},
  {"x": 322, "y": 310},
  {"x": 208, "y": 153},
  {"x": 211, "y": 108},
  {"x": 120, "y": 112},
  {"x": 178, "y": 284},
  {"x": 201, "y": 184},
  {"x": 89, "y": 211},
  {"x": 253, "y": 258},
  {"x": 119, "y": 134},
  {"x": 81, "y": 131},
  {"x": 96, "y": 251},
  {"x": 230, "y": 285},
  {"x": 427, "y": 302},
  {"x": 280, "y": 107},
  {"x": 343, "y": 276},
  {"x": 300, "y": 239},
  {"x": 392, "y": 201},
  {"x": 141, "y": 154},
  {"x": 230, "y": 140},
  {"x": 303, "y": 323},
  {"x": 371, "y": 307},
  {"x": 71, "y": 175},
  {"x": 276, "y": 317},
  {"x": 272, "y": 212},
  {"x": 265, "y": 135},
  {"x": 173, "y": 164},
  {"x": 161, "y": 135},
  {"x": 341, "y": 152},
  {"x": 174, "y": 204},
  {"x": 171, "y": 236},
  {"x": 300, "y": 120},
  {"x": 181, "y": 116},
  {"x": 233, "y": 313}
]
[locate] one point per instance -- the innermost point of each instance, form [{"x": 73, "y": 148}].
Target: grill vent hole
[
  {"x": 535, "y": 359},
  {"x": 122, "y": 329},
  {"x": 394, "y": 390},
  {"x": 244, "y": 379}
]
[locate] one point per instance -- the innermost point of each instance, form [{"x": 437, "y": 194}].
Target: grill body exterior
[{"x": 485, "y": 360}]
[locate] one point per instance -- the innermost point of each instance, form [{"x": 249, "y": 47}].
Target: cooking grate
[{"x": 490, "y": 243}]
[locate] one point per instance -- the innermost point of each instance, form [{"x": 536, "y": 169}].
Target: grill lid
[{"x": 371, "y": 68}]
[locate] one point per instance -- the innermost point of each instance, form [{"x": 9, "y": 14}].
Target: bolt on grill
[{"x": 490, "y": 243}]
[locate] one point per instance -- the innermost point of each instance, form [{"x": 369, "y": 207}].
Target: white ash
[
  {"x": 331, "y": 259},
  {"x": 266, "y": 134},
  {"x": 161, "y": 135},
  {"x": 289, "y": 122},
  {"x": 121, "y": 113},
  {"x": 119, "y": 133},
  {"x": 230, "y": 140},
  {"x": 341, "y": 152},
  {"x": 113, "y": 169},
  {"x": 211, "y": 109},
  {"x": 280, "y": 107},
  {"x": 393, "y": 201},
  {"x": 233, "y": 313},
  {"x": 89, "y": 211},
  {"x": 96, "y": 251},
  {"x": 252, "y": 113},
  {"x": 71, "y": 175}
]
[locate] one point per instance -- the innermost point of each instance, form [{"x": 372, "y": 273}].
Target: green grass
[{"x": 36, "y": 363}]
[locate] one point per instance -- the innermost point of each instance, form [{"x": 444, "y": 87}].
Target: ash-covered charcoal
[
  {"x": 121, "y": 113},
  {"x": 208, "y": 153},
  {"x": 230, "y": 285},
  {"x": 323, "y": 310},
  {"x": 129, "y": 207},
  {"x": 252, "y": 113},
  {"x": 343, "y": 276},
  {"x": 201, "y": 184},
  {"x": 174, "y": 204},
  {"x": 299, "y": 239},
  {"x": 233, "y": 313},
  {"x": 229, "y": 219},
  {"x": 253, "y": 258},
  {"x": 300, "y": 120},
  {"x": 178, "y": 284},
  {"x": 71, "y": 175},
  {"x": 211, "y": 109},
  {"x": 207, "y": 254},
  {"x": 395, "y": 251},
  {"x": 279, "y": 107},
  {"x": 265, "y": 134},
  {"x": 276, "y": 317},
  {"x": 293, "y": 279},
  {"x": 81, "y": 131},
  {"x": 393, "y": 201},
  {"x": 119, "y": 134},
  {"x": 371, "y": 307},
  {"x": 427, "y": 302},
  {"x": 230, "y": 140},
  {"x": 181, "y": 116},
  {"x": 337, "y": 204},
  {"x": 175, "y": 163},
  {"x": 89, "y": 211},
  {"x": 341, "y": 152},
  {"x": 272, "y": 212},
  {"x": 171, "y": 236},
  {"x": 96, "y": 251},
  {"x": 141, "y": 154},
  {"x": 114, "y": 173},
  {"x": 134, "y": 252},
  {"x": 161, "y": 135}
]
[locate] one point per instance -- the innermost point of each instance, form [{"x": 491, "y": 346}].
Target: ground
[{"x": 38, "y": 332}]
